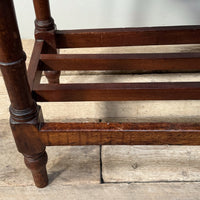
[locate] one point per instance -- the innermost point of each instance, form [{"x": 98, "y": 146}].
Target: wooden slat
[
  {"x": 120, "y": 134},
  {"x": 159, "y": 62},
  {"x": 128, "y": 36},
  {"x": 33, "y": 74},
  {"x": 118, "y": 91}
]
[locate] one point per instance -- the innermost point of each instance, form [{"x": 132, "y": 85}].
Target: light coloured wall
[{"x": 74, "y": 14}]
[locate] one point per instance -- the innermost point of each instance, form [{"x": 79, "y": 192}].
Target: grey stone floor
[{"x": 128, "y": 172}]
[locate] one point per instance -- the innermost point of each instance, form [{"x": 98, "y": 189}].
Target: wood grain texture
[
  {"x": 118, "y": 91},
  {"x": 120, "y": 134},
  {"x": 160, "y": 62},
  {"x": 128, "y": 36}
]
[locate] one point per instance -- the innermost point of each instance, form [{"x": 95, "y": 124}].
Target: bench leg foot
[{"x": 37, "y": 165}]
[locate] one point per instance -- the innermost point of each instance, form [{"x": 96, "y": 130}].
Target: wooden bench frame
[{"x": 32, "y": 135}]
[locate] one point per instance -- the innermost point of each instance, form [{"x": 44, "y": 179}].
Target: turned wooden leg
[
  {"x": 45, "y": 29},
  {"x": 26, "y": 115},
  {"x": 24, "y": 125},
  {"x": 37, "y": 164}
]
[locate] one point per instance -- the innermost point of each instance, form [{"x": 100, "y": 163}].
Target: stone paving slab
[
  {"x": 150, "y": 163},
  {"x": 136, "y": 191}
]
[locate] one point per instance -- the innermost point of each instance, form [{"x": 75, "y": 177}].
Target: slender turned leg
[
  {"x": 37, "y": 164},
  {"x": 26, "y": 116},
  {"x": 45, "y": 29}
]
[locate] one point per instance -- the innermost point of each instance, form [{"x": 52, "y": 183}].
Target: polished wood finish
[
  {"x": 146, "y": 62},
  {"x": 42, "y": 12},
  {"x": 26, "y": 116},
  {"x": 30, "y": 132},
  {"x": 37, "y": 165},
  {"x": 128, "y": 36},
  {"x": 120, "y": 134},
  {"x": 118, "y": 91}
]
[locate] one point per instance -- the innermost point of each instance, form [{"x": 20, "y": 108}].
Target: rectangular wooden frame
[
  {"x": 118, "y": 133},
  {"x": 32, "y": 134}
]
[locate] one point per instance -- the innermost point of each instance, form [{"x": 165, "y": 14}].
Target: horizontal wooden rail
[
  {"x": 128, "y": 36},
  {"x": 120, "y": 134},
  {"x": 118, "y": 91},
  {"x": 159, "y": 62}
]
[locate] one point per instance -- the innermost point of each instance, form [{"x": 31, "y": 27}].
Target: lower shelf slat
[
  {"x": 120, "y": 134},
  {"x": 149, "y": 62},
  {"x": 117, "y": 91}
]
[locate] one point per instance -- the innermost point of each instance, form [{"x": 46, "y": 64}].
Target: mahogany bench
[{"x": 30, "y": 131}]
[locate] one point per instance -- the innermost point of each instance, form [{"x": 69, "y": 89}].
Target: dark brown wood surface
[
  {"x": 42, "y": 9},
  {"x": 34, "y": 75},
  {"x": 128, "y": 36},
  {"x": 45, "y": 30},
  {"x": 8, "y": 25},
  {"x": 12, "y": 58},
  {"x": 140, "y": 62},
  {"x": 118, "y": 91},
  {"x": 120, "y": 134},
  {"x": 44, "y": 21},
  {"x": 26, "y": 116}
]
